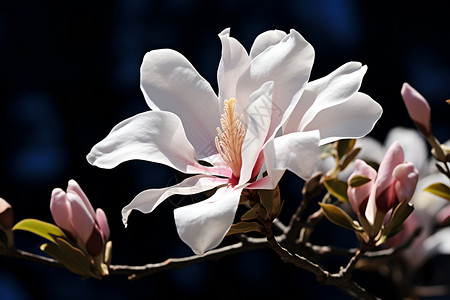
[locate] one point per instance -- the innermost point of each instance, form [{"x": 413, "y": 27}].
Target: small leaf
[
  {"x": 337, "y": 188},
  {"x": 256, "y": 212},
  {"x": 244, "y": 227},
  {"x": 440, "y": 190},
  {"x": 70, "y": 256},
  {"x": 344, "y": 146},
  {"x": 358, "y": 180},
  {"x": 271, "y": 201},
  {"x": 339, "y": 217},
  {"x": 400, "y": 214},
  {"x": 350, "y": 157},
  {"x": 46, "y": 230}
]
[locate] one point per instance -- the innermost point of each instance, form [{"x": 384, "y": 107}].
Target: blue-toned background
[{"x": 69, "y": 71}]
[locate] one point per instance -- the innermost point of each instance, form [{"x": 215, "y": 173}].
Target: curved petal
[
  {"x": 351, "y": 119},
  {"x": 288, "y": 64},
  {"x": 325, "y": 92},
  {"x": 358, "y": 196},
  {"x": 265, "y": 40},
  {"x": 203, "y": 225},
  {"x": 258, "y": 122},
  {"x": 296, "y": 152},
  {"x": 62, "y": 211},
  {"x": 74, "y": 187},
  {"x": 406, "y": 176},
  {"x": 413, "y": 145},
  {"x": 154, "y": 136},
  {"x": 169, "y": 82},
  {"x": 148, "y": 200},
  {"x": 83, "y": 222},
  {"x": 102, "y": 223},
  {"x": 233, "y": 62}
]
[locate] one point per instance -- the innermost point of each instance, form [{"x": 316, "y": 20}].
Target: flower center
[{"x": 229, "y": 142}]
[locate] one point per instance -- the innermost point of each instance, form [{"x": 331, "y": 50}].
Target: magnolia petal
[
  {"x": 296, "y": 152},
  {"x": 102, "y": 223},
  {"x": 406, "y": 176},
  {"x": 413, "y": 144},
  {"x": 418, "y": 108},
  {"x": 148, "y": 200},
  {"x": 203, "y": 225},
  {"x": 83, "y": 222},
  {"x": 258, "y": 123},
  {"x": 358, "y": 196},
  {"x": 288, "y": 64},
  {"x": 154, "y": 136},
  {"x": 74, "y": 187},
  {"x": 351, "y": 119},
  {"x": 62, "y": 211},
  {"x": 233, "y": 62},
  {"x": 326, "y": 92},
  {"x": 265, "y": 40},
  {"x": 393, "y": 157},
  {"x": 169, "y": 82}
]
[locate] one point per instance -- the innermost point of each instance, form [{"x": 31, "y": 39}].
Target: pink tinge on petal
[
  {"x": 82, "y": 220},
  {"x": 94, "y": 244},
  {"x": 443, "y": 217},
  {"x": 62, "y": 212},
  {"x": 358, "y": 196},
  {"x": 385, "y": 189},
  {"x": 74, "y": 187},
  {"x": 406, "y": 176},
  {"x": 102, "y": 222},
  {"x": 418, "y": 108}
]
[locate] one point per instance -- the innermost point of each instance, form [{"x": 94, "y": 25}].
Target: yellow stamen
[{"x": 229, "y": 142}]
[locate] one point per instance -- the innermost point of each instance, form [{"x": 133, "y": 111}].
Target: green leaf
[
  {"x": 46, "y": 230},
  {"x": 440, "y": 190},
  {"x": 256, "y": 212},
  {"x": 344, "y": 146},
  {"x": 339, "y": 217},
  {"x": 358, "y": 180},
  {"x": 244, "y": 227},
  {"x": 271, "y": 201},
  {"x": 337, "y": 188},
  {"x": 349, "y": 158},
  {"x": 70, "y": 256},
  {"x": 400, "y": 214}
]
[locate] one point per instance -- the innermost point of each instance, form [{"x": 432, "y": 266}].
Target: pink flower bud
[
  {"x": 6, "y": 214},
  {"x": 73, "y": 212},
  {"x": 385, "y": 196},
  {"x": 418, "y": 109},
  {"x": 358, "y": 196}
]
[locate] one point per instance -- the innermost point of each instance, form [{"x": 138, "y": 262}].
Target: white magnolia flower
[{"x": 234, "y": 132}]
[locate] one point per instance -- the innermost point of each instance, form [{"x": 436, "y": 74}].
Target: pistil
[{"x": 229, "y": 142}]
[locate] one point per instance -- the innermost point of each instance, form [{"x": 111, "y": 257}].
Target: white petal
[
  {"x": 169, "y": 82},
  {"x": 154, "y": 136},
  {"x": 148, "y": 200},
  {"x": 413, "y": 145},
  {"x": 265, "y": 40},
  {"x": 259, "y": 114},
  {"x": 325, "y": 92},
  {"x": 351, "y": 119},
  {"x": 296, "y": 152},
  {"x": 288, "y": 64},
  {"x": 233, "y": 62},
  {"x": 203, "y": 225},
  {"x": 438, "y": 243}
]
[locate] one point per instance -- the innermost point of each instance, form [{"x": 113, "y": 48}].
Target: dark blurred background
[{"x": 69, "y": 71}]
